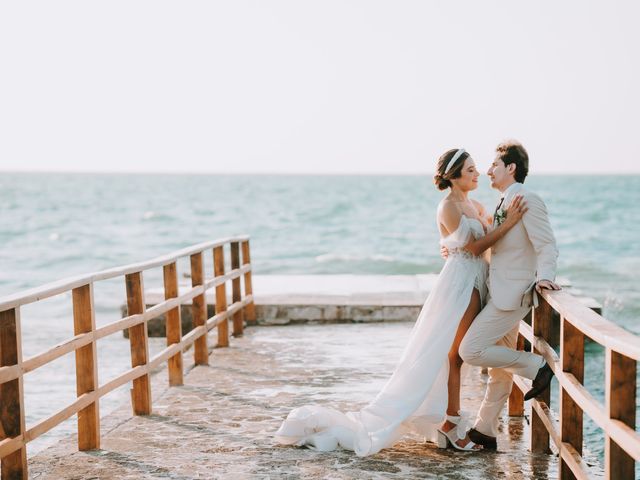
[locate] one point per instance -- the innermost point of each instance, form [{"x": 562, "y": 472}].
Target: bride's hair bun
[
  {"x": 441, "y": 183},
  {"x": 442, "y": 179}
]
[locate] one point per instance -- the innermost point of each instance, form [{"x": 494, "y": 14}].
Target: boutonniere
[{"x": 500, "y": 217}]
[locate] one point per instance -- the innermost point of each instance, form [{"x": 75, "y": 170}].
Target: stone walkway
[{"x": 220, "y": 423}]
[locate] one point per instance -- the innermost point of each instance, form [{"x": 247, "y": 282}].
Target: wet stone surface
[{"x": 220, "y": 424}]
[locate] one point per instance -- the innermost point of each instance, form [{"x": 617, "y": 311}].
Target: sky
[{"x": 354, "y": 87}]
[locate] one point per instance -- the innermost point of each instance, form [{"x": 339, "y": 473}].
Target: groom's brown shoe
[
  {"x": 487, "y": 442},
  {"x": 541, "y": 382}
]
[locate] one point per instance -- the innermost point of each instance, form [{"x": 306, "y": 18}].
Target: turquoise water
[{"x": 56, "y": 225}]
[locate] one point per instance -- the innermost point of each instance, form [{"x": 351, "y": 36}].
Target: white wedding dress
[{"x": 414, "y": 399}]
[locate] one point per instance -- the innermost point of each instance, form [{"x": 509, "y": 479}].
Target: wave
[
  {"x": 154, "y": 216},
  {"x": 403, "y": 236},
  {"x": 345, "y": 257}
]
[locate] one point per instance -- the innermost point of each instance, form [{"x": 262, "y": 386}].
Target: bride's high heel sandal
[{"x": 451, "y": 437}]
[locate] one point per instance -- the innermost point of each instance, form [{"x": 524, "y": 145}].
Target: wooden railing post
[
  {"x": 238, "y": 317},
  {"x": 250, "y": 309},
  {"x": 541, "y": 323},
  {"x": 516, "y": 398},
  {"x": 620, "y": 403},
  {"x": 571, "y": 416},
  {"x": 86, "y": 368},
  {"x": 199, "y": 313},
  {"x": 221, "y": 296},
  {"x": 12, "y": 420},
  {"x": 138, "y": 338},
  {"x": 13, "y": 432},
  {"x": 174, "y": 324}
]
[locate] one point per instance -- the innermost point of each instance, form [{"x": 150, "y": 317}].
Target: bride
[{"x": 426, "y": 382}]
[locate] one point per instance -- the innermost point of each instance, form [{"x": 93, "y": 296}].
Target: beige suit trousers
[{"x": 491, "y": 342}]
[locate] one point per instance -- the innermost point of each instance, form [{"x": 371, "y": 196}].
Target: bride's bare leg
[{"x": 455, "y": 362}]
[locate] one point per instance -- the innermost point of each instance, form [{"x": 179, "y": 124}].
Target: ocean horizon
[{"x": 300, "y": 224}]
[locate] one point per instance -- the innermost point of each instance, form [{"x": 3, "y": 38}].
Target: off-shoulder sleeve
[{"x": 460, "y": 237}]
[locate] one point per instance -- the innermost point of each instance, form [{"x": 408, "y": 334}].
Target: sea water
[{"x": 56, "y": 225}]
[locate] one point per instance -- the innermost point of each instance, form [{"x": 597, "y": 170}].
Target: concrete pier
[
  {"x": 220, "y": 424},
  {"x": 294, "y": 299},
  {"x": 313, "y": 299}
]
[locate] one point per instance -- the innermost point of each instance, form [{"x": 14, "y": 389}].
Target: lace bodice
[{"x": 456, "y": 241}]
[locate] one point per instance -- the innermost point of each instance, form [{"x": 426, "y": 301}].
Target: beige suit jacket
[{"x": 525, "y": 255}]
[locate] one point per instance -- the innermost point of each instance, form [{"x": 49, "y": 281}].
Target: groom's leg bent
[
  {"x": 481, "y": 347},
  {"x": 497, "y": 393}
]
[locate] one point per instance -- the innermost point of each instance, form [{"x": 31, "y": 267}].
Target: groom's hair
[{"x": 512, "y": 151}]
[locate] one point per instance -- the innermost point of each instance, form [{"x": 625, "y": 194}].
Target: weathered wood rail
[
  {"x": 13, "y": 433},
  {"x": 617, "y": 417}
]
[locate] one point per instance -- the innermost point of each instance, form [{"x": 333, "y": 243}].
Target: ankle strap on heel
[
  {"x": 455, "y": 419},
  {"x": 463, "y": 422}
]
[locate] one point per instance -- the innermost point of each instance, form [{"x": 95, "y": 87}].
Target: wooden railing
[
  {"x": 617, "y": 417},
  {"x": 13, "y": 433}
]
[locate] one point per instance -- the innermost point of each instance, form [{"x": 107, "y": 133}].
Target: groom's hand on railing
[{"x": 547, "y": 285}]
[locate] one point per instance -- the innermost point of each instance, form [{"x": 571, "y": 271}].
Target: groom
[{"x": 523, "y": 259}]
